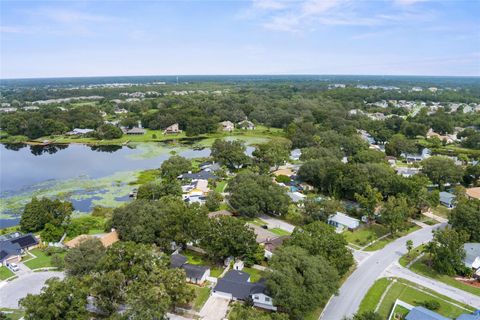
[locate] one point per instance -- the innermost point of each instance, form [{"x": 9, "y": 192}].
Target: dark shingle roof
[
  {"x": 236, "y": 283},
  {"x": 205, "y": 175},
  {"x": 194, "y": 271},
  {"x": 25, "y": 241},
  {"x": 8, "y": 249},
  {"x": 177, "y": 260}
]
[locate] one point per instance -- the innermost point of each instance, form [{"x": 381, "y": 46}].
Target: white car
[{"x": 13, "y": 266}]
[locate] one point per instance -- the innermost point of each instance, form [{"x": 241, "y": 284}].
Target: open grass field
[
  {"x": 5, "y": 273},
  {"x": 383, "y": 242},
  {"x": 201, "y": 296},
  {"x": 41, "y": 260},
  {"x": 365, "y": 234},
  {"x": 279, "y": 232},
  {"x": 422, "y": 268},
  {"x": 409, "y": 293}
]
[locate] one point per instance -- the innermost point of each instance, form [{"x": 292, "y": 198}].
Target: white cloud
[
  {"x": 407, "y": 2},
  {"x": 312, "y": 7},
  {"x": 12, "y": 29},
  {"x": 269, "y": 4},
  {"x": 71, "y": 16}
]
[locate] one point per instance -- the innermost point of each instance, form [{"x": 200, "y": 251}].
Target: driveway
[
  {"x": 215, "y": 308},
  {"x": 356, "y": 286},
  {"x": 28, "y": 282},
  {"x": 396, "y": 270},
  {"x": 277, "y": 223},
  {"x": 262, "y": 234}
]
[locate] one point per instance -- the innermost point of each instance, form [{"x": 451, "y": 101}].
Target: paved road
[
  {"x": 277, "y": 223},
  {"x": 355, "y": 288},
  {"x": 32, "y": 282},
  {"x": 396, "y": 270}
]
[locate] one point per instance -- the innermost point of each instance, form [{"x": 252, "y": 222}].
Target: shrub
[
  {"x": 431, "y": 304},
  {"x": 282, "y": 179}
]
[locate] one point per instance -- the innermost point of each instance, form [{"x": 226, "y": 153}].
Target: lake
[{"x": 85, "y": 175}]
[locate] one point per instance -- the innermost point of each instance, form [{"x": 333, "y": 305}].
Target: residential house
[
  {"x": 136, "y": 131},
  {"x": 14, "y": 245},
  {"x": 120, "y": 111},
  {"x": 270, "y": 245},
  {"x": 227, "y": 126},
  {"x": 473, "y": 193},
  {"x": 295, "y": 154},
  {"x": 202, "y": 175},
  {"x": 297, "y": 197},
  {"x": 472, "y": 257},
  {"x": 196, "y": 191},
  {"x": 447, "y": 199},
  {"x": 236, "y": 285},
  {"x": 209, "y": 166},
  {"x": 417, "y": 157},
  {"x": 172, "y": 129},
  {"x": 342, "y": 221},
  {"x": 407, "y": 172},
  {"x": 246, "y": 125},
  {"x": 220, "y": 213},
  {"x": 78, "y": 132},
  {"x": 196, "y": 274},
  {"x": 421, "y": 313},
  {"x": 448, "y": 138},
  {"x": 107, "y": 239}
]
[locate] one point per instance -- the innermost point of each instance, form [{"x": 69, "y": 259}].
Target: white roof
[
  {"x": 296, "y": 196},
  {"x": 345, "y": 220}
]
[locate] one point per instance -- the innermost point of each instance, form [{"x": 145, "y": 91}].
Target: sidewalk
[{"x": 395, "y": 270}]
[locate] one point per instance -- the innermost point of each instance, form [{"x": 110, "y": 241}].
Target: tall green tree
[
  {"x": 175, "y": 166},
  {"x": 39, "y": 212},
  {"x": 82, "y": 259},
  {"x": 299, "y": 282},
  {"x": 446, "y": 251},
  {"x": 229, "y": 153},
  {"x": 58, "y": 300},
  {"x": 320, "y": 239},
  {"x": 274, "y": 153},
  {"x": 395, "y": 213},
  {"x": 441, "y": 170},
  {"x": 466, "y": 217},
  {"x": 158, "y": 189},
  {"x": 369, "y": 201}
]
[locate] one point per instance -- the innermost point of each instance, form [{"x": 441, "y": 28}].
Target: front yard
[
  {"x": 365, "y": 234},
  {"x": 410, "y": 293},
  {"x": 5, "y": 273},
  {"x": 42, "y": 260},
  {"x": 422, "y": 268},
  {"x": 383, "y": 242},
  {"x": 201, "y": 296}
]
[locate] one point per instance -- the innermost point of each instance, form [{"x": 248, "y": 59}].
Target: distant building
[
  {"x": 296, "y": 197},
  {"x": 417, "y": 157},
  {"x": 473, "y": 193},
  {"x": 447, "y": 199},
  {"x": 342, "y": 221},
  {"x": 107, "y": 239},
  {"x": 246, "y": 125},
  {"x": 172, "y": 129},
  {"x": 227, "y": 126},
  {"x": 136, "y": 131},
  {"x": 472, "y": 257},
  {"x": 295, "y": 154},
  {"x": 79, "y": 132},
  {"x": 14, "y": 245}
]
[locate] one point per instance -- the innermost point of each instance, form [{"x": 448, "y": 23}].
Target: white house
[
  {"x": 227, "y": 126},
  {"x": 246, "y": 125},
  {"x": 341, "y": 221},
  {"x": 77, "y": 132},
  {"x": 472, "y": 257}
]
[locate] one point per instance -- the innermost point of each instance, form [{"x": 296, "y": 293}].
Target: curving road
[{"x": 369, "y": 269}]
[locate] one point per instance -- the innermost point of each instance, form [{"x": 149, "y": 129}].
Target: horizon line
[{"x": 246, "y": 74}]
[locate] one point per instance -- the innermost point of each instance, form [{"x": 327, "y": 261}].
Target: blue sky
[{"x": 97, "y": 38}]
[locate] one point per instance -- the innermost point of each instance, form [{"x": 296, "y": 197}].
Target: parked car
[{"x": 13, "y": 266}]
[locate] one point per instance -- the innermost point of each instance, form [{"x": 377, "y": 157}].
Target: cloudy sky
[{"x": 97, "y": 38}]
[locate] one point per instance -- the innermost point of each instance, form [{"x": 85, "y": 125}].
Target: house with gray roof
[
  {"x": 236, "y": 285},
  {"x": 202, "y": 175},
  {"x": 472, "y": 257},
  {"x": 14, "y": 245},
  {"x": 196, "y": 274},
  {"x": 447, "y": 199},
  {"x": 342, "y": 221}
]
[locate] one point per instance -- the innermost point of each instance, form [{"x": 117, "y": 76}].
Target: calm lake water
[{"x": 85, "y": 175}]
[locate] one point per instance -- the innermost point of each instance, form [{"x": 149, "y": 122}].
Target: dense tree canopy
[
  {"x": 466, "y": 217},
  {"x": 39, "y": 212},
  {"x": 441, "y": 170},
  {"x": 175, "y": 166},
  {"x": 229, "y": 153},
  {"x": 252, "y": 194},
  {"x": 446, "y": 251}
]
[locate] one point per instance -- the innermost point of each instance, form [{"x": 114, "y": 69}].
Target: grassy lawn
[
  {"x": 12, "y": 314},
  {"x": 221, "y": 186},
  {"x": 255, "y": 274},
  {"x": 96, "y": 231},
  {"x": 382, "y": 243},
  {"x": 41, "y": 260},
  {"x": 201, "y": 296},
  {"x": 373, "y": 295},
  {"x": 5, "y": 273},
  {"x": 441, "y": 211},
  {"x": 407, "y": 258},
  {"x": 279, "y": 232},
  {"x": 422, "y": 268},
  {"x": 314, "y": 315},
  {"x": 402, "y": 290},
  {"x": 199, "y": 259},
  {"x": 365, "y": 234},
  {"x": 409, "y": 293}
]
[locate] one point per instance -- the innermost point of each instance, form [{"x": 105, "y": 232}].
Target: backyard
[
  {"x": 200, "y": 259},
  {"x": 410, "y": 293}
]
